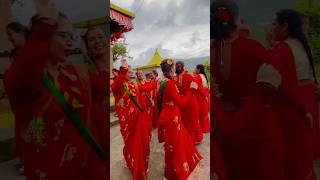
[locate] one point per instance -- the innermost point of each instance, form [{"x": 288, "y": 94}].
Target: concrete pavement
[
  {"x": 118, "y": 171},
  {"x": 8, "y": 171}
]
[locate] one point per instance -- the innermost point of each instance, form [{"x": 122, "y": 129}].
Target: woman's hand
[
  {"x": 47, "y": 11},
  {"x": 124, "y": 63}
]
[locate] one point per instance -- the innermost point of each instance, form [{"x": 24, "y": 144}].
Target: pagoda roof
[
  {"x": 123, "y": 11},
  {"x": 154, "y": 62}
]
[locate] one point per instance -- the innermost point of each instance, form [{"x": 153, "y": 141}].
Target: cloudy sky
[
  {"x": 75, "y": 9},
  {"x": 179, "y": 29},
  {"x": 261, "y": 11}
]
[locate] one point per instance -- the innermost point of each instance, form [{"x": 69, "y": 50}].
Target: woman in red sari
[
  {"x": 217, "y": 167},
  {"x": 95, "y": 77},
  {"x": 246, "y": 127},
  {"x": 297, "y": 105},
  {"x": 190, "y": 119},
  {"x": 133, "y": 119},
  {"x": 203, "y": 97},
  {"x": 17, "y": 35},
  {"x": 51, "y": 103},
  {"x": 147, "y": 102},
  {"x": 154, "y": 109},
  {"x": 181, "y": 156}
]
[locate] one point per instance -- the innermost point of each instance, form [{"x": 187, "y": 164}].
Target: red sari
[
  {"x": 154, "y": 109},
  {"x": 181, "y": 156},
  {"x": 94, "y": 81},
  {"x": 52, "y": 147},
  {"x": 134, "y": 126},
  {"x": 203, "y": 102},
  {"x": 217, "y": 166},
  {"x": 249, "y": 134},
  {"x": 190, "y": 119},
  {"x": 146, "y": 100},
  {"x": 294, "y": 102},
  {"x": 100, "y": 114}
]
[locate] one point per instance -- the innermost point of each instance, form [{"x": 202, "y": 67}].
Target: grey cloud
[
  {"x": 261, "y": 10},
  {"x": 195, "y": 37},
  {"x": 182, "y": 27},
  {"x": 75, "y": 9},
  {"x": 147, "y": 55},
  {"x": 189, "y": 13}
]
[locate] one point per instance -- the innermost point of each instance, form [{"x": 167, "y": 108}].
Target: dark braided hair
[
  {"x": 202, "y": 70},
  {"x": 166, "y": 68},
  {"x": 155, "y": 73},
  {"x": 294, "y": 21},
  {"x": 179, "y": 67}
]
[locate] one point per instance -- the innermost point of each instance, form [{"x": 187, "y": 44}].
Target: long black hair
[
  {"x": 294, "y": 20},
  {"x": 202, "y": 70},
  {"x": 223, "y": 18},
  {"x": 179, "y": 67},
  {"x": 17, "y": 28}
]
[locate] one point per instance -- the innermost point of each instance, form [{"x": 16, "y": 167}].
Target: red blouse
[{"x": 249, "y": 55}]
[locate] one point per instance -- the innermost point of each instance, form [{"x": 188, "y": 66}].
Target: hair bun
[{"x": 223, "y": 15}]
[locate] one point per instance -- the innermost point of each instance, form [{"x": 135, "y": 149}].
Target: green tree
[
  {"x": 206, "y": 64},
  {"x": 119, "y": 50},
  {"x": 311, "y": 8}
]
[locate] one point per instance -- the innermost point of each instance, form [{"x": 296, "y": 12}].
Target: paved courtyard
[{"x": 156, "y": 162}]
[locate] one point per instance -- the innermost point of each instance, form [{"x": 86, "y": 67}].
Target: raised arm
[
  {"x": 147, "y": 86},
  {"x": 23, "y": 77},
  {"x": 117, "y": 83}
]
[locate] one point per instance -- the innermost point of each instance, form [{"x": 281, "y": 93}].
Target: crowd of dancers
[
  {"x": 177, "y": 105},
  {"x": 265, "y": 109}
]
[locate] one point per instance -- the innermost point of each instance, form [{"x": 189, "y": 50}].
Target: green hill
[{"x": 193, "y": 62}]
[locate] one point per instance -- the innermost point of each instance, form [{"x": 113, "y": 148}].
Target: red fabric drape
[{"x": 125, "y": 23}]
